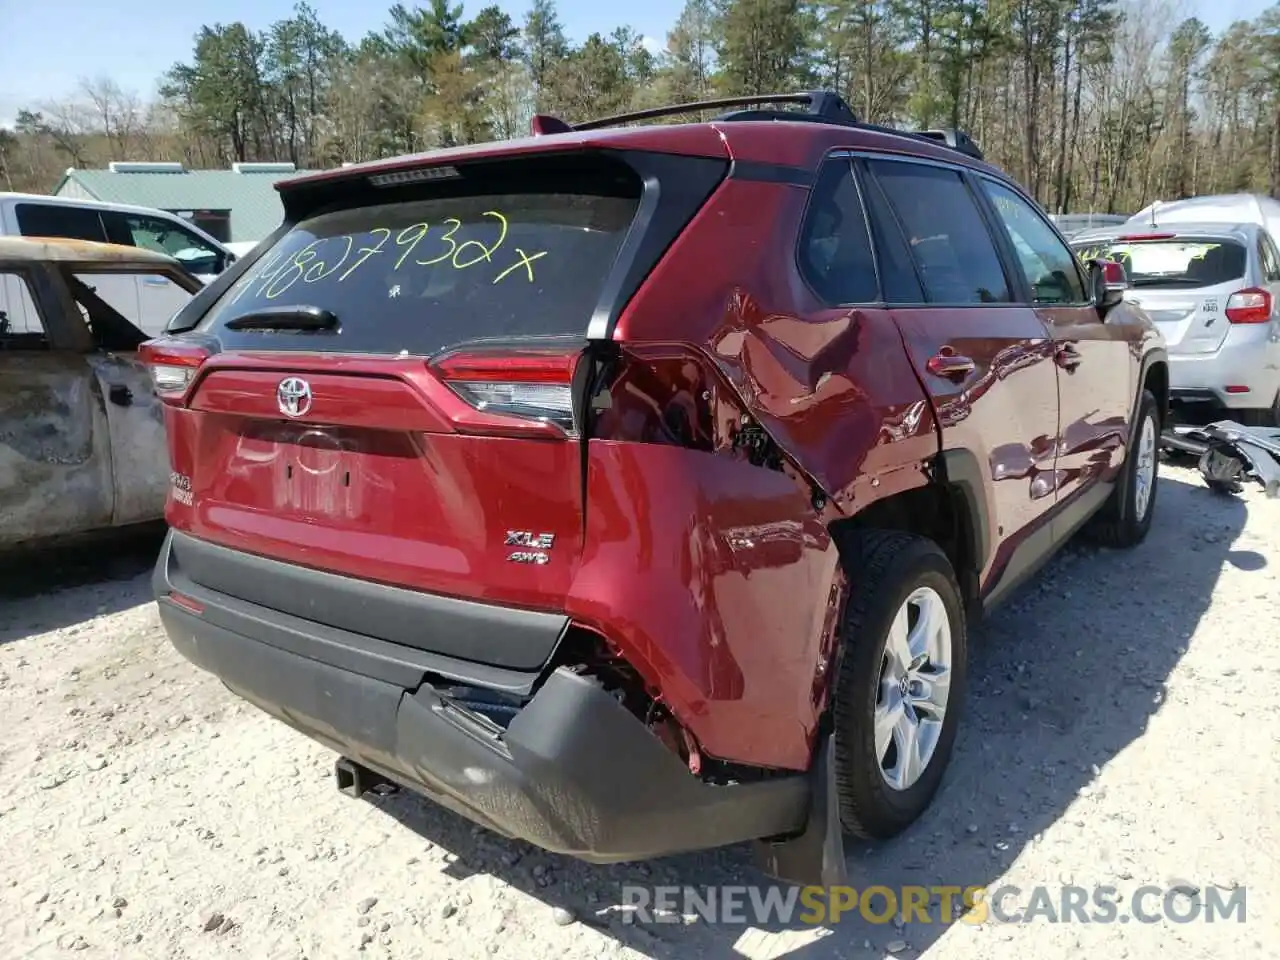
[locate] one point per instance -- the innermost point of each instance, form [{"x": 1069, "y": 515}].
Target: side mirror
[{"x": 1108, "y": 283}]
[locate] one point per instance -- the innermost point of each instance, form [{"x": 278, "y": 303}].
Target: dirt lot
[{"x": 1124, "y": 729}]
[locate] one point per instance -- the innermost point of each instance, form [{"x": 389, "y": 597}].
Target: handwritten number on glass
[
  {"x": 486, "y": 253},
  {"x": 311, "y": 264},
  {"x": 367, "y": 252},
  {"x": 447, "y": 238},
  {"x": 408, "y": 238}
]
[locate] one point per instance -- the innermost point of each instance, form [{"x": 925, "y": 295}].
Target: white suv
[{"x": 153, "y": 299}]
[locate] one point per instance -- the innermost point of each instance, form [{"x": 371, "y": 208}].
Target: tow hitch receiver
[{"x": 355, "y": 780}]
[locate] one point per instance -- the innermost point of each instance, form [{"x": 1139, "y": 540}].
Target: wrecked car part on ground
[{"x": 1229, "y": 453}]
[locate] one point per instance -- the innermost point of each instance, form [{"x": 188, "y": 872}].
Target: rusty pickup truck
[{"x": 82, "y": 444}]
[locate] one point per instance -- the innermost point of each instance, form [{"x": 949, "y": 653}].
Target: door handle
[
  {"x": 1068, "y": 358},
  {"x": 951, "y": 366},
  {"x": 120, "y": 395},
  {"x": 155, "y": 281}
]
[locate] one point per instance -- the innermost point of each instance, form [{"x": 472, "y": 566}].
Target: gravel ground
[{"x": 1123, "y": 729}]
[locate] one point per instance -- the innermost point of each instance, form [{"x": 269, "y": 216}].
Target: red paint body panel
[
  {"x": 425, "y": 511},
  {"x": 1005, "y": 412},
  {"x": 709, "y": 575},
  {"x": 1094, "y": 410}
]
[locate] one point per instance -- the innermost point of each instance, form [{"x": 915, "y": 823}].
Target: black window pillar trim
[
  {"x": 1015, "y": 276},
  {"x": 674, "y": 189}
]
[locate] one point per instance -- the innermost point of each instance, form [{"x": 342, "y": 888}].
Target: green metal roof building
[{"x": 234, "y": 206}]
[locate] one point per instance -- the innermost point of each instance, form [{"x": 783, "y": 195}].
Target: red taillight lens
[
  {"x": 531, "y": 384},
  {"x": 1249, "y": 306},
  {"x": 172, "y": 364}
]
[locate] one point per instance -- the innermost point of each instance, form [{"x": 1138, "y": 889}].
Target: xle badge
[{"x": 535, "y": 545}]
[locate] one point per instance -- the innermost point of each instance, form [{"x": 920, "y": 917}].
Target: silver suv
[{"x": 1213, "y": 290}]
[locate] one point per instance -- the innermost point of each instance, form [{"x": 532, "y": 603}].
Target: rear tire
[
  {"x": 892, "y": 739},
  {"x": 1125, "y": 518}
]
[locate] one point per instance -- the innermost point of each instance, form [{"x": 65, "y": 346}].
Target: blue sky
[{"x": 49, "y": 44}]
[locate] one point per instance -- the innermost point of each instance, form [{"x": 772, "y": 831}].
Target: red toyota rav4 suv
[{"x": 626, "y": 489}]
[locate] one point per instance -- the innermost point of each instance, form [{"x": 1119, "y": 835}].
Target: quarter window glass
[
  {"x": 949, "y": 242},
  {"x": 1048, "y": 263},
  {"x": 835, "y": 251}
]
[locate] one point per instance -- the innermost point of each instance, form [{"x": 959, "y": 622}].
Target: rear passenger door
[
  {"x": 1097, "y": 371},
  {"x": 984, "y": 358}
]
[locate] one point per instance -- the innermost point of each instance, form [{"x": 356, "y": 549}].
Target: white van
[{"x": 151, "y": 299}]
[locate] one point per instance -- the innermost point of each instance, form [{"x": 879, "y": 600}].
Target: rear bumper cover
[
  {"x": 574, "y": 772},
  {"x": 1247, "y": 361}
]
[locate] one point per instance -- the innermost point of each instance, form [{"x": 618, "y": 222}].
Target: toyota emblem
[{"x": 294, "y": 397}]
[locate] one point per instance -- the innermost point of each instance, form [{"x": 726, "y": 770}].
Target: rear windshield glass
[
  {"x": 421, "y": 275},
  {"x": 1178, "y": 263}
]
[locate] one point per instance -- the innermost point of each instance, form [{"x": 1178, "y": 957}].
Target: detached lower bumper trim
[{"x": 575, "y": 772}]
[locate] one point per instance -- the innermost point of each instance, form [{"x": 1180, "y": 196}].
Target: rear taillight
[
  {"x": 172, "y": 364},
  {"x": 1249, "y": 306},
  {"x": 530, "y": 384}
]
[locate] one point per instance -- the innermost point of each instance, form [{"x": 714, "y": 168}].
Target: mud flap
[{"x": 815, "y": 856}]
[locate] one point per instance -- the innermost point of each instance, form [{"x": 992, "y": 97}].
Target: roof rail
[
  {"x": 819, "y": 106},
  {"x": 953, "y": 138}
]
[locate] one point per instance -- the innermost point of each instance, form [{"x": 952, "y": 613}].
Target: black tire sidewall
[
  {"x": 1138, "y": 528},
  {"x": 881, "y": 810}
]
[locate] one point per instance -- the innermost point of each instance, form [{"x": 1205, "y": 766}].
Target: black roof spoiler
[{"x": 817, "y": 106}]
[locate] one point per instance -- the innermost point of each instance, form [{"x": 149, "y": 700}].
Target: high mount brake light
[
  {"x": 172, "y": 364},
  {"x": 1252, "y": 305},
  {"x": 1147, "y": 236},
  {"x": 529, "y": 384}
]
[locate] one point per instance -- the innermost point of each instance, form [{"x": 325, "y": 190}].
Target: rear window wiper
[
  {"x": 1166, "y": 281},
  {"x": 285, "y": 318}
]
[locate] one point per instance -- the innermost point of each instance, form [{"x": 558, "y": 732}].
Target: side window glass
[
  {"x": 1049, "y": 265},
  {"x": 947, "y": 236},
  {"x": 55, "y": 220},
  {"x": 20, "y": 324},
  {"x": 164, "y": 236},
  {"x": 835, "y": 250}
]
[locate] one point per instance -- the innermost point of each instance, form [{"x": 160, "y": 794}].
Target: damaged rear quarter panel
[
  {"x": 834, "y": 387},
  {"x": 736, "y": 640}
]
